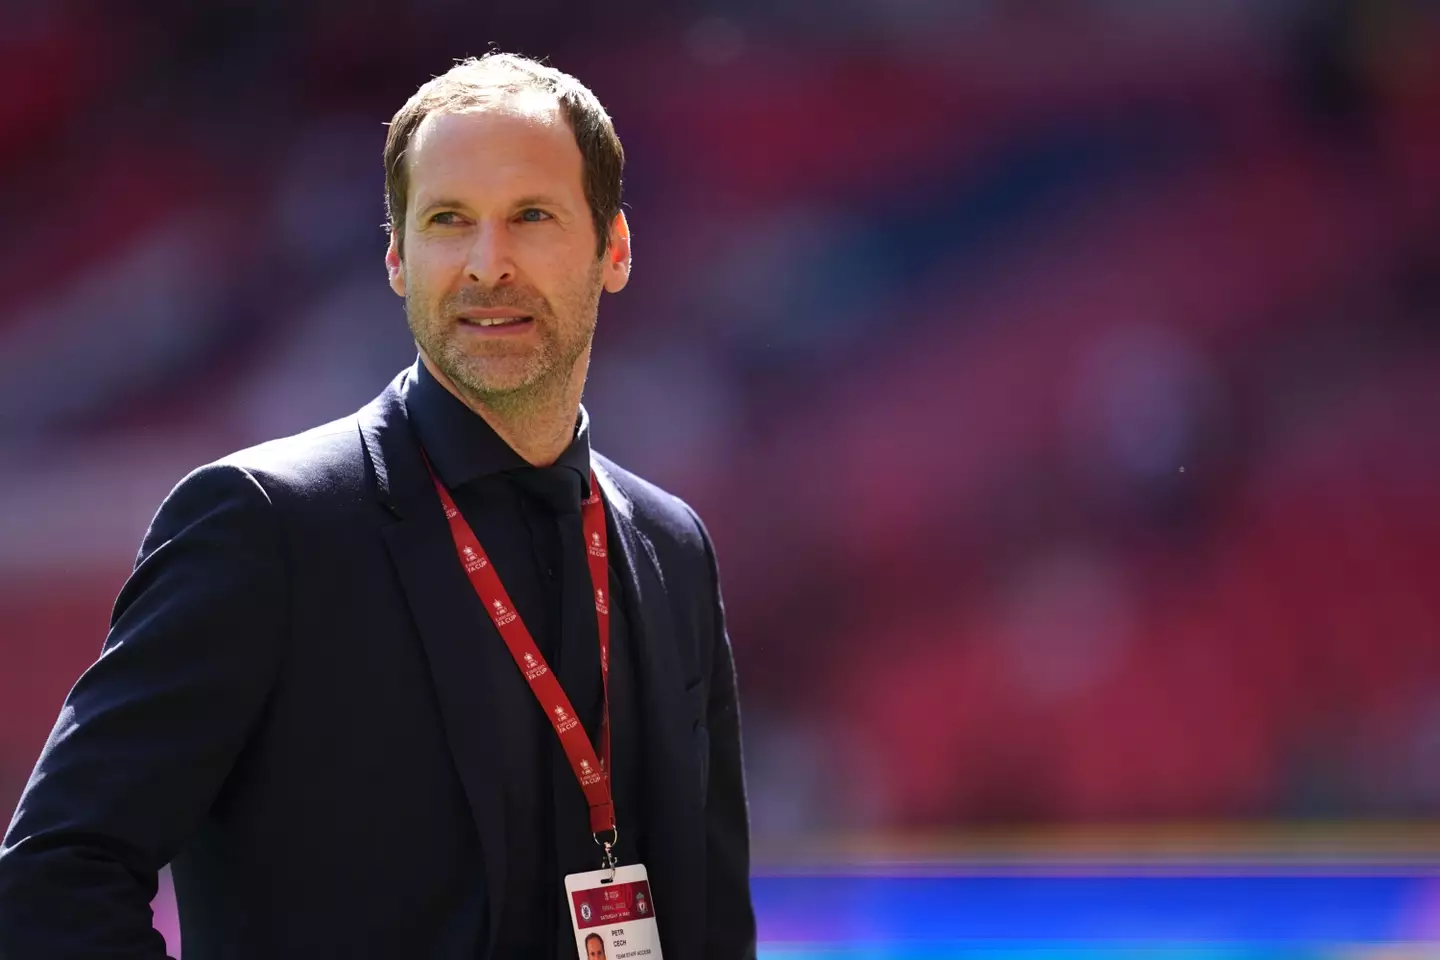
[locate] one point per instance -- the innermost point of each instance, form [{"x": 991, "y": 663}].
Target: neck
[{"x": 539, "y": 427}]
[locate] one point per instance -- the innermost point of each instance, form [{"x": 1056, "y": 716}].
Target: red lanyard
[{"x": 592, "y": 773}]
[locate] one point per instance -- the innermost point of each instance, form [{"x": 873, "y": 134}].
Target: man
[
  {"x": 314, "y": 703},
  {"x": 594, "y": 947}
]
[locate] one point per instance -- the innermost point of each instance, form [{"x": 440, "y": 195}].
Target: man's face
[
  {"x": 594, "y": 949},
  {"x": 500, "y": 275}
]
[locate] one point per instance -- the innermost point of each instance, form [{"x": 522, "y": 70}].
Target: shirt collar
[{"x": 463, "y": 447}]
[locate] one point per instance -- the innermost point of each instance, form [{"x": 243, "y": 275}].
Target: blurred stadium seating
[{"x": 1060, "y": 381}]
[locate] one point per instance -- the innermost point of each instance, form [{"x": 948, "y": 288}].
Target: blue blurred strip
[
  {"x": 1296, "y": 910},
  {"x": 1109, "y": 951}
]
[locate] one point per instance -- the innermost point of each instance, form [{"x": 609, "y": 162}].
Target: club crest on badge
[
  {"x": 640, "y": 906},
  {"x": 585, "y": 912}
]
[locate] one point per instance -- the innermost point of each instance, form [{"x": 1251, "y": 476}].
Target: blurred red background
[{"x": 1060, "y": 380}]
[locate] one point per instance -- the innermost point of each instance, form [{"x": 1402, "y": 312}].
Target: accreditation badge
[{"x": 613, "y": 914}]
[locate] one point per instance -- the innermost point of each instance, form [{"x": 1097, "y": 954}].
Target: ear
[
  {"x": 395, "y": 267},
  {"x": 617, "y": 255}
]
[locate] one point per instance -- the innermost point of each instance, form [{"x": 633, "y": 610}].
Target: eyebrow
[
  {"x": 436, "y": 203},
  {"x": 538, "y": 200}
]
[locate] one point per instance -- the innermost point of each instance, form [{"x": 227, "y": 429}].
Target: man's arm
[
  {"x": 729, "y": 915},
  {"x": 148, "y": 734}
]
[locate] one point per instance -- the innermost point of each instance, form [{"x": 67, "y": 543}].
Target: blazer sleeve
[
  {"x": 730, "y": 915},
  {"x": 147, "y": 735}
]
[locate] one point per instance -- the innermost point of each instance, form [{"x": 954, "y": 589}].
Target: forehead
[{"x": 520, "y": 144}]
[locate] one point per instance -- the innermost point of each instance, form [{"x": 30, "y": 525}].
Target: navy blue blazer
[{"x": 292, "y": 709}]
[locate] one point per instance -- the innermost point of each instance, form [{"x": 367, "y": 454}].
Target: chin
[
  {"x": 487, "y": 374},
  {"x": 495, "y": 385}
]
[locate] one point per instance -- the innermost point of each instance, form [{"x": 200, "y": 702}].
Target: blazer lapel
[
  {"x": 448, "y": 618},
  {"x": 671, "y": 777}
]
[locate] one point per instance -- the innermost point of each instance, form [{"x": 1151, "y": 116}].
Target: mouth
[
  {"x": 494, "y": 321},
  {"x": 497, "y": 324}
]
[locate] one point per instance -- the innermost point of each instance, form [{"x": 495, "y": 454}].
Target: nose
[{"x": 491, "y": 262}]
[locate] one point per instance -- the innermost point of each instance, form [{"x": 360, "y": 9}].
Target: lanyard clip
[{"x": 607, "y": 861}]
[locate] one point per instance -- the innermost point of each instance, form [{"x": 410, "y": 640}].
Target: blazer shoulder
[
  {"x": 659, "y": 513},
  {"x": 317, "y": 463}
]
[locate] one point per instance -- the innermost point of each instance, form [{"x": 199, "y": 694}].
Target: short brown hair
[{"x": 475, "y": 82}]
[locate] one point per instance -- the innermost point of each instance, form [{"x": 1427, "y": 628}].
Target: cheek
[
  {"x": 560, "y": 266},
  {"x": 571, "y": 285},
  {"x": 426, "y": 275}
]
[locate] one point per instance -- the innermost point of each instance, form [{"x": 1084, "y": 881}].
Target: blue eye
[{"x": 533, "y": 215}]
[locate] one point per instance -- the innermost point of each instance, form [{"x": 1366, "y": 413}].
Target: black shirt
[{"x": 528, "y": 521}]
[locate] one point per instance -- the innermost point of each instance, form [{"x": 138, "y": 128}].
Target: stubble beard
[{"x": 549, "y": 368}]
